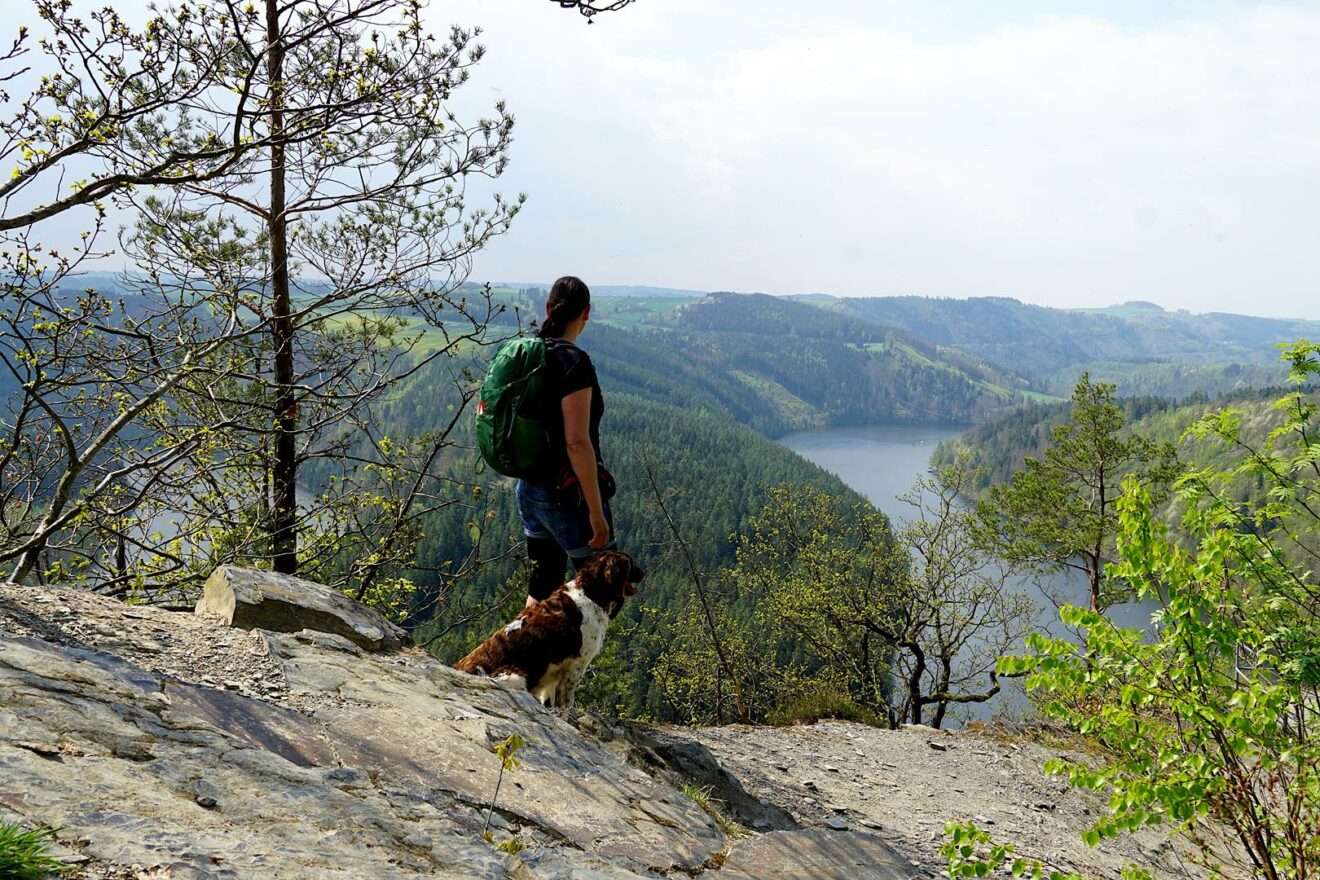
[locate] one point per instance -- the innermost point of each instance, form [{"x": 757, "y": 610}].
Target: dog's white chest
[
  {"x": 557, "y": 686},
  {"x": 594, "y": 623}
]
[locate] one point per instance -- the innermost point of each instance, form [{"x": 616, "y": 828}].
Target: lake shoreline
[{"x": 882, "y": 461}]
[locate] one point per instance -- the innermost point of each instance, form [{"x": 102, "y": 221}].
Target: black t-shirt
[{"x": 568, "y": 369}]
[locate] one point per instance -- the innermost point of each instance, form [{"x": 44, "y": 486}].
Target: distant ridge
[
  {"x": 599, "y": 289},
  {"x": 1139, "y": 345},
  {"x": 1127, "y": 307},
  {"x": 119, "y": 282}
]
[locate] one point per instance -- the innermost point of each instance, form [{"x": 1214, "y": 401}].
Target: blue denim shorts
[{"x": 547, "y": 512}]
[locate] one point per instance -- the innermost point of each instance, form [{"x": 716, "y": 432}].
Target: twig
[{"x": 701, "y": 594}]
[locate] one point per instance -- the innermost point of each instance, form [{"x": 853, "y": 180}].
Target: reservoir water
[{"x": 882, "y": 461}]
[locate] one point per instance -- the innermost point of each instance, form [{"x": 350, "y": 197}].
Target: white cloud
[
  {"x": 1039, "y": 113},
  {"x": 870, "y": 147}
]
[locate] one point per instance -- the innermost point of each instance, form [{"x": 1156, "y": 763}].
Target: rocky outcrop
[
  {"x": 814, "y": 854},
  {"x": 168, "y": 745},
  {"x": 247, "y": 598},
  {"x": 303, "y": 756}
]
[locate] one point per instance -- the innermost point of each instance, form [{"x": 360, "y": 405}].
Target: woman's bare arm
[{"x": 582, "y": 456}]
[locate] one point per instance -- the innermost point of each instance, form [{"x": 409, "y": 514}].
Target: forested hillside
[
  {"x": 999, "y": 444},
  {"x": 1139, "y": 346},
  {"x": 779, "y": 365},
  {"x": 871, "y": 372},
  {"x": 694, "y": 389}
]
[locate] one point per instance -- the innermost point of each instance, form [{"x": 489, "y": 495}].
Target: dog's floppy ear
[
  {"x": 622, "y": 573},
  {"x": 616, "y": 567},
  {"x": 612, "y": 570},
  {"x": 634, "y": 576},
  {"x": 592, "y": 574}
]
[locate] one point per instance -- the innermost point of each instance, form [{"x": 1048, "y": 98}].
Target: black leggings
[{"x": 547, "y": 560}]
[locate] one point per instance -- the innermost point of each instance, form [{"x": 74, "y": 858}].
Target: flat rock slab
[
  {"x": 291, "y": 735},
  {"x": 564, "y": 864},
  {"x": 251, "y": 599},
  {"x": 421, "y": 726},
  {"x": 138, "y": 770},
  {"x": 163, "y": 740},
  {"x": 814, "y": 854}
]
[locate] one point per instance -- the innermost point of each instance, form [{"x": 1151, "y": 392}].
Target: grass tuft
[
  {"x": 808, "y": 708},
  {"x": 23, "y": 853},
  {"x": 701, "y": 796}
]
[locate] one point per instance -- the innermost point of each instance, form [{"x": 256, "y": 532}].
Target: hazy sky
[{"x": 1067, "y": 154}]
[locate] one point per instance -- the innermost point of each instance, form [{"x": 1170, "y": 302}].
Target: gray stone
[
  {"x": 327, "y": 640},
  {"x": 423, "y": 727},
  {"x": 270, "y": 817},
  {"x": 814, "y": 854},
  {"x": 912, "y": 788},
  {"x": 682, "y": 762},
  {"x": 388, "y": 777},
  {"x": 252, "y": 599},
  {"x": 284, "y": 732},
  {"x": 560, "y": 864}
]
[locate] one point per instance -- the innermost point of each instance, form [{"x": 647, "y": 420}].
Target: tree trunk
[
  {"x": 942, "y": 687},
  {"x": 915, "y": 701},
  {"x": 26, "y": 564},
  {"x": 284, "y": 475},
  {"x": 1098, "y": 554},
  {"x": 868, "y": 669},
  {"x": 1094, "y": 576},
  {"x": 121, "y": 558}
]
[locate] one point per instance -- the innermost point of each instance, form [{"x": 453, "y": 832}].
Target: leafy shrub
[
  {"x": 1207, "y": 725},
  {"x": 972, "y": 853}
]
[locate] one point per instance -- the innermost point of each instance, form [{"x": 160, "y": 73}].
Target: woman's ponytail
[{"x": 569, "y": 297}]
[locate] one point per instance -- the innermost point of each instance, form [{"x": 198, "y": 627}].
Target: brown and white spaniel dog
[{"x": 549, "y": 646}]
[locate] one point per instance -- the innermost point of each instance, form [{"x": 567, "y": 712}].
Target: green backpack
[{"x": 512, "y": 443}]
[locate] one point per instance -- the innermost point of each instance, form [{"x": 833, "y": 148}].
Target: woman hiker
[{"x": 566, "y": 513}]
